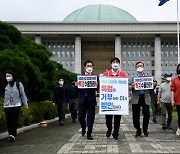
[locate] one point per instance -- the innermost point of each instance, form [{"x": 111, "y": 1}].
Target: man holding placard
[
  {"x": 140, "y": 97},
  {"x": 111, "y": 97},
  {"x": 87, "y": 86}
]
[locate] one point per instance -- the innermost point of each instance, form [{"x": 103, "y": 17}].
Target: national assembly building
[{"x": 100, "y": 32}]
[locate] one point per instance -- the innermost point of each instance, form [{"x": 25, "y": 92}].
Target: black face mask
[{"x": 178, "y": 72}]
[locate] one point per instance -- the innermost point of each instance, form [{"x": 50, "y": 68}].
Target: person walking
[
  {"x": 87, "y": 103},
  {"x": 60, "y": 99},
  {"x": 175, "y": 88},
  {"x": 73, "y": 96},
  {"x": 139, "y": 98},
  {"x": 14, "y": 96},
  {"x": 114, "y": 72},
  {"x": 154, "y": 94},
  {"x": 165, "y": 98}
]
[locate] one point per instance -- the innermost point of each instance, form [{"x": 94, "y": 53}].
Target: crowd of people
[{"x": 163, "y": 97}]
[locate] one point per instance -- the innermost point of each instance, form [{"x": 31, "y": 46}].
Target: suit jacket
[
  {"x": 135, "y": 93},
  {"x": 64, "y": 95},
  {"x": 89, "y": 93}
]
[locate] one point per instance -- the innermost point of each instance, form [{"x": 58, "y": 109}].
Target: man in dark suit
[
  {"x": 140, "y": 98},
  {"x": 60, "y": 99},
  {"x": 87, "y": 102}
]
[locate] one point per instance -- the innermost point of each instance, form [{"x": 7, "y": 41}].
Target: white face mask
[
  {"x": 115, "y": 66},
  {"x": 168, "y": 78},
  {"x": 9, "y": 79},
  {"x": 140, "y": 69},
  {"x": 61, "y": 83},
  {"x": 89, "y": 70}
]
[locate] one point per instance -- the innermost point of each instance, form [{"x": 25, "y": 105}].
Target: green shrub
[{"x": 38, "y": 111}]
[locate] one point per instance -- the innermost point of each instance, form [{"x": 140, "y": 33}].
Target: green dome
[{"x": 100, "y": 13}]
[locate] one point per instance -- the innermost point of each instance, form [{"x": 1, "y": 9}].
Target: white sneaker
[
  {"x": 178, "y": 132},
  {"x": 11, "y": 138}
]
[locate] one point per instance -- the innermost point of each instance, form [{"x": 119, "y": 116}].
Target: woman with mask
[
  {"x": 139, "y": 98},
  {"x": 165, "y": 98},
  {"x": 114, "y": 72},
  {"x": 12, "y": 103},
  {"x": 60, "y": 99},
  {"x": 175, "y": 88}
]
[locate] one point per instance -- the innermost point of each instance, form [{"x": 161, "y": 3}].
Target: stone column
[
  {"x": 38, "y": 39},
  {"x": 77, "y": 54},
  {"x": 118, "y": 48},
  {"x": 157, "y": 57}
]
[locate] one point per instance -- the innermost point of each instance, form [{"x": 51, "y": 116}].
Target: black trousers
[
  {"x": 61, "y": 111},
  {"x": 12, "y": 117},
  {"x": 73, "y": 108},
  {"x": 178, "y": 113},
  {"x": 89, "y": 109},
  {"x": 136, "y": 108},
  {"x": 117, "y": 119}
]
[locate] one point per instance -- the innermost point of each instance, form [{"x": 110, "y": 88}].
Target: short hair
[
  {"x": 60, "y": 78},
  {"x": 177, "y": 67},
  {"x": 88, "y": 61},
  {"x": 139, "y": 62},
  {"x": 115, "y": 59},
  {"x": 155, "y": 81}
]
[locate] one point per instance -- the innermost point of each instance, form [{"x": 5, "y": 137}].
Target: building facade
[{"x": 90, "y": 33}]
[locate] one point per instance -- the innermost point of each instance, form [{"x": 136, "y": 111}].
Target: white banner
[
  {"x": 143, "y": 83},
  {"x": 87, "y": 81},
  {"x": 113, "y": 96}
]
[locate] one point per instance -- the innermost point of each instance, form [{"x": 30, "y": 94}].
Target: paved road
[{"x": 67, "y": 139}]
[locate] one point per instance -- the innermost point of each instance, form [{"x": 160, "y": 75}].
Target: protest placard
[
  {"x": 87, "y": 81},
  {"x": 143, "y": 83},
  {"x": 113, "y": 97}
]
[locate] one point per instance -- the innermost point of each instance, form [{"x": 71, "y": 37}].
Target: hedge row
[{"x": 38, "y": 111}]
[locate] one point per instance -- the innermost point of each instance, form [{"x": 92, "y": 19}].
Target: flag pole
[{"x": 178, "y": 33}]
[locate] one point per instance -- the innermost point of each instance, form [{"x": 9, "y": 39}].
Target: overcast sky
[{"x": 57, "y": 10}]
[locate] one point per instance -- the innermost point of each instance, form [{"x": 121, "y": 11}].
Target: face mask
[
  {"x": 168, "y": 78},
  {"x": 115, "y": 66},
  {"x": 140, "y": 69},
  {"x": 9, "y": 79},
  {"x": 61, "y": 83},
  {"x": 178, "y": 72},
  {"x": 89, "y": 69}
]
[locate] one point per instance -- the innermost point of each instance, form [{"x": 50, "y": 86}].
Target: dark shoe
[
  {"x": 115, "y": 137},
  {"x": 89, "y": 137},
  {"x": 138, "y": 134},
  {"x": 154, "y": 120},
  {"x": 108, "y": 134},
  {"x": 168, "y": 127},
  {"x": 11, "y": 138},
  {"x": 146, "y": 134},
  {"x": 164, "y": 127},
  {"x": 83, "y": 132},
  {"x": 61, "y": 123}
]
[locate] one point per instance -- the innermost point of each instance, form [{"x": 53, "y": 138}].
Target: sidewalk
[{"x": 67, "y": 139}]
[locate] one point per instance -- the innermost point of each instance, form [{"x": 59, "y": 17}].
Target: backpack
[{"x": 17, "y": 85}]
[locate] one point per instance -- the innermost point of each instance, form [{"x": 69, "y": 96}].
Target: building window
[
  {"x": 143, "y": 44},
  {"x": 49, "y": 44},
  {"x": 53, "y": 44},
  {"x": 171, "y": 63},
  {"x": 124, "y": 53},
  {"x": 129, "y": 44},
  {"x": 133, "y": 63},
  {"x": 124, "y": 44},
  {"x": 175, "y": 53},
  {"x": 166, "y": 53},
  {"x": 147, "y": 63},
  {"x": 63, "y": 44},
  {"x": 166, "y": 44},
  {"x": 68, "y": 44},
  {"x": 68, "y": 54},
  {"x": 176, "y": 63},
  {"x": 133, "y": 54},
  {"x": 133, "y": 44},
  {"x": 171, "y": 44},
  {"x": 63, "y": 54},
  {"x": 162, "y": 53},
  {"x": 139, "y": 44},
  {"x": 148, "y": 72},
  {"x": 166, "y": 63},
  {"x": 58, "y": 53},
  {"x": 148, "y": 44},
  {"x": 67, "y": 63},
  {"x": 63, "y": 63},
  {"x": 171, "y": 53},
  {"x": 129, "y": 53},
  {"x": 152, "y": 53},
  {"x": 162, "y": 63},
  {"x": 152, "y": 44},
  {"x": 152, "y": 63},
  {"x": 153, "y": 72},
  {"x": 58, "y": 44},
  {"x": 129, "y": 63},
  {"x": 54, "y": 53},
  {"x": 143, "y": 54},
  {"x": 72, "y": 44},
  {"x": 72, "y": 53},
  {"x": 138, "y": 54},
  {"x": 147, "y": 53},
  {"x": 124, "y": 63},
  {"x": 72, "y": 63}
]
